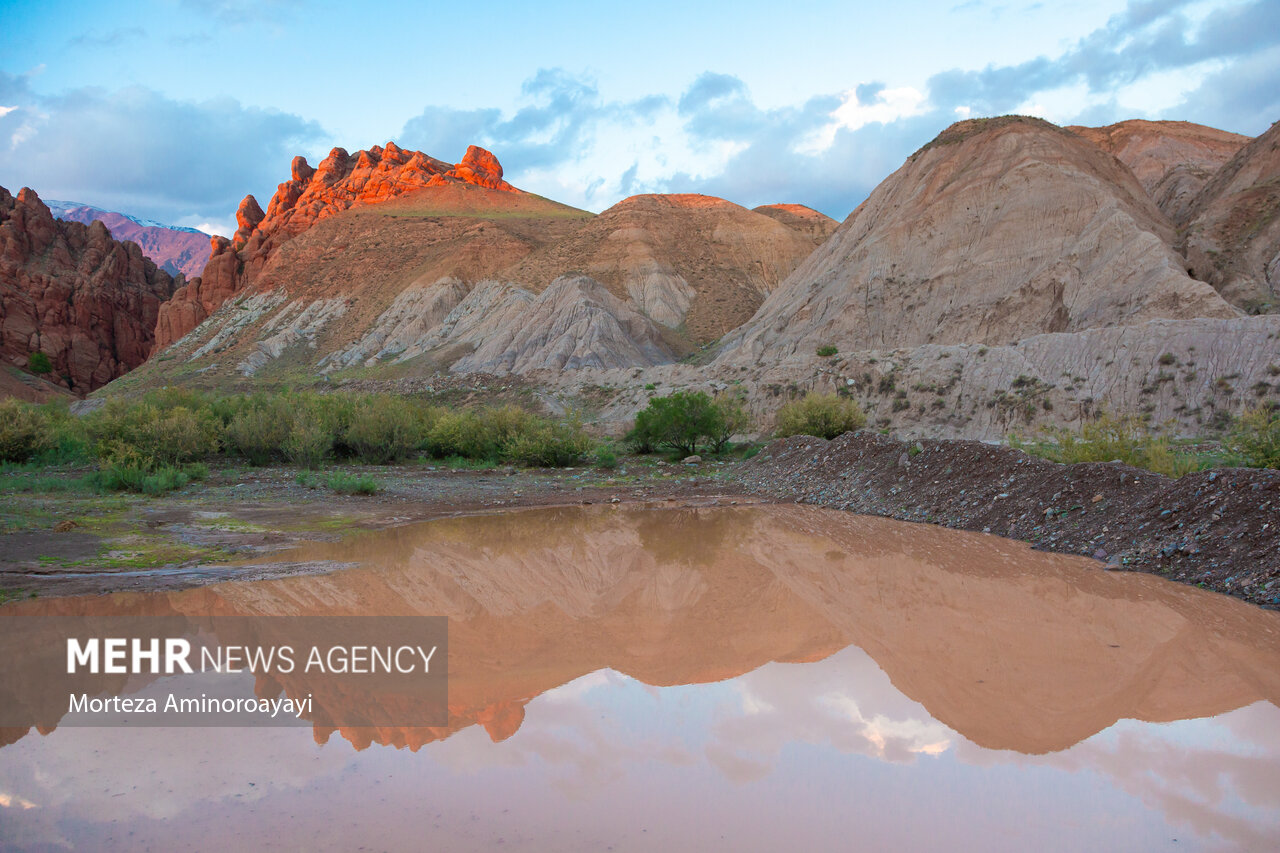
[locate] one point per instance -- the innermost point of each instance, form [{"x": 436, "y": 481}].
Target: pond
[{"x": 654, "y": 676}]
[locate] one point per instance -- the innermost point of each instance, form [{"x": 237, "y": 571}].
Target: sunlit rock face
[
  {"x": 72, "y": 292},
  {"x": 340, "y": 182}
]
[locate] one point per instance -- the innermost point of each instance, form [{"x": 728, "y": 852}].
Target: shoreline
[{"x": 1217, "y": 529}]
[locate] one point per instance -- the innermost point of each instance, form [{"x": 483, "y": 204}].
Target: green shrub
[
  {"x": 827, "y": 351},
  {"x": 822, "y": 415},
  {"x": 686, "y": 419},
  {"x": 544, "y": 444},
  {"x": 309, "y": 445},
  {"x": 24, "y": 431},
  {"x": 606, "y": 457},
  {"x": 260, "y": 429},
  {"x": 383, "y": 429},
  {"x": 126, "y": 476},
  {"x": 460, "y": 433},
  {"x": 38, "y": 362},
  {"x": 158, "y": 436},
  {"x": 1255, "y": 438},
  {"x": 352, "y": 484},
  {"x": 1109, "y": 438}
]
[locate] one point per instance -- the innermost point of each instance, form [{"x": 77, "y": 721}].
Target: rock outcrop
[
  {"x": 341, "y": 181},
  {"x": 70, "y": 291},
  {"x": 694, "y": 262},
  {"x": 997, "y": 230},
  {"x": 1173, "y": 160},
  {"x": 174, "y": 249},
  {"x": 1232, "y": 231}
]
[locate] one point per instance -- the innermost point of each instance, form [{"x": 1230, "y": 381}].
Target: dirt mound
[
  {"x": 1215, "y": 529},
  {"x": 70, "y": 291},
  {"x": 1232, "y": 237},
  {"x": 997, "y": 230},
  {"x": 693, "y": 262},
  {"x": 1172, "y": 160}
]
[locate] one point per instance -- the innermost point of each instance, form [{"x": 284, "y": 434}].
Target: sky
[{"x": 174, "y": 110}]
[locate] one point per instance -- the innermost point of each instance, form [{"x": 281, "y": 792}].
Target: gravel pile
[{"x": 1216, "y": 529}]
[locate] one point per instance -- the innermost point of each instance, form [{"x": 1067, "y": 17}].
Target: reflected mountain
[{"x": 1012, "y": 648}]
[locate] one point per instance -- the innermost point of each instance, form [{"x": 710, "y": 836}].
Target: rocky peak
[
  {"x": 341, "y": 181},
  {"x": 74, "y": 293}
]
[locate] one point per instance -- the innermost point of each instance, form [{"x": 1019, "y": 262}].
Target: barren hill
[
  {"x": 174, "y": 249},
  {"x": 694, "y": 262},
  {"x": 997, "y": 230},
  {"x": 67, "y": 290},
  {"x": 1232, "y": 235},
  {"x": 1172, "y": 160}
]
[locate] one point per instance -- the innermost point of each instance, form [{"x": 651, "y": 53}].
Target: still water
[{"x": 695, "y": 678}]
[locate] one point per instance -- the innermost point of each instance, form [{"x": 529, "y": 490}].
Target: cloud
[
  {"x": 1146, "y": 38},
  {"x": 112, "y": 39},
  {"x": 138, "y": 151}
]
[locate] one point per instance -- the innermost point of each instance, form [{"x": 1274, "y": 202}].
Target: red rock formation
[
  {"x": 69, "y": 290},
  {"x": 341, "y": 181}
]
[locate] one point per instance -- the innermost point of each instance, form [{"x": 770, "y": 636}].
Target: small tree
[
  {"x": 39, "y": 363},
  {"x": 684, "y": 420}
]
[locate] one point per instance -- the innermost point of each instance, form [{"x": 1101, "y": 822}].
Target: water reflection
[{"x": 608, "y": 664}]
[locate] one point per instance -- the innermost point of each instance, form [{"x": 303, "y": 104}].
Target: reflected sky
[{"x": 795, "y": 679}]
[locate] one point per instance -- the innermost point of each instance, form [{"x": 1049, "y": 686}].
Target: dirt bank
[{"x": 1216, "y": 529}]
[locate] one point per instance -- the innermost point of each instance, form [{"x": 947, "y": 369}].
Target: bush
[
  {"x": 1108, "y": 438},
  {"x": 544, "y": 444},
  {"x": 684, "y": 419},
  {"x": 1255, "y": 438},
  {"x": 132, "y": 476},
  {"x": 827, "y": 351},
  {"x": 260, "y": 429},
  {"x": 39, "y": 363},
  {"x": 309, "y": 445},
  {"x": 352, "y": 484},
  {"x": 24, "y": 431},
  {"x": 460, "y": 433},
  {"x": 158, "y": 436},
  {"x": 606, "y": 457},
  {"x": 822, "y": 415},
  {"x": 383, "y": 429}
]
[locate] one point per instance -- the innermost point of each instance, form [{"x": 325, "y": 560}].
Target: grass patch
[{"x": 352, "y": 484}]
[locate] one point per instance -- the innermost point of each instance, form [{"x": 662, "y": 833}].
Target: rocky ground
[{"x": 1215, "y": 529}]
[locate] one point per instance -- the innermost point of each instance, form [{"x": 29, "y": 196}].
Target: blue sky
[{"x": 175, "y": 109}]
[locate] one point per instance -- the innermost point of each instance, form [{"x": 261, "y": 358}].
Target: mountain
[
  {"x": 1232, "y": 228},
  {"x": 392, "y": 260},
  {"x": 70, "y": 291},
  {"x": 692, "y": 262},
  {"x": 996, "y": 230},
  {"x": 1172, "y": 160},
  {"x": 174, "y": 249},
  {"x": 341, "y": 182}
]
